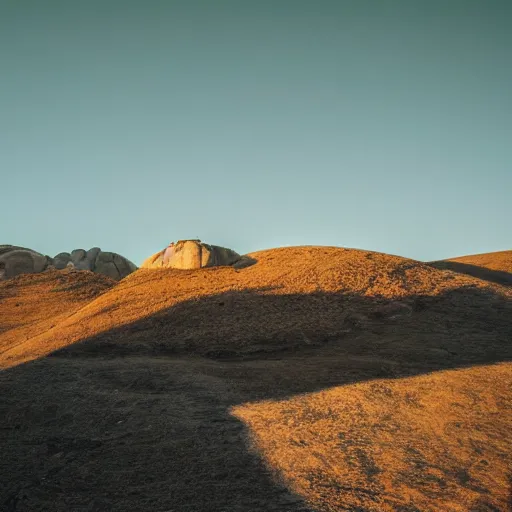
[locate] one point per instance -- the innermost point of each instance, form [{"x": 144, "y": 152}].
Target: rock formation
[
  {"x": 96, "y": 260},
  {"x": 16, "y": 260},
  {"x": 193, "y": 254}
]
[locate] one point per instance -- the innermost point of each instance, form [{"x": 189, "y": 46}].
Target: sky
[{"x": 383, "y": 125}]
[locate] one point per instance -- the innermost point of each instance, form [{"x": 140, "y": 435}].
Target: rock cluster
[
  {"x": 16, "y": 260},
  {"x": 193, "y": 254}
]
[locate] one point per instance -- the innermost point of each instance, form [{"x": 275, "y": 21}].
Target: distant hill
[
  {"x": 495, "y": 267},
  {"x": 316, "y": 379}
]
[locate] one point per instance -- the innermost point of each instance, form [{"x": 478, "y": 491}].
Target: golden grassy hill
[
  {"x": 492, "y": 266},
  {"x": 318, "y": 379},
  {"x": 501, "y": 261}
]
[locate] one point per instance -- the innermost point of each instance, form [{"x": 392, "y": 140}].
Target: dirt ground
[{"x": 319, "y": 379}]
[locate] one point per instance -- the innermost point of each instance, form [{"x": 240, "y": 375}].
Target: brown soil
[{"x": 317, "y": 379}]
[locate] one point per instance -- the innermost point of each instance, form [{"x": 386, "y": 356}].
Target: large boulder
[
  {"x": 61, "y": 260},
  {"x": 192, "y": 254},
  {"x": 16, "y": 260}
]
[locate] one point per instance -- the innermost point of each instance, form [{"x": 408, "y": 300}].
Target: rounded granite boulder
[{"x": 192, "y": 254}]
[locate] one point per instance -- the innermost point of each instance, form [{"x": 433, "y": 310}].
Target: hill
[
  {"x": 292, "y": 296},
  {"x": 316, "y": 379},
  {"x": 35, "y": 303},
  {"x": 493, "y": 266}
]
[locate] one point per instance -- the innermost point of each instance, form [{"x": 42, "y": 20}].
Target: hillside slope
[
  {"x": 318, "y": 379},
  {"x": 35, "y": 303},
  {"x": 493, "y": 266},
  {"x": 291, "y": 296},
  {"x": 501, "y": 260}
]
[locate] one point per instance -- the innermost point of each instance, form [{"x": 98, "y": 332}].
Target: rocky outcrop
[
  {"x": 193, "y": 254},
  {"x": 96, "y": 260},
  {"x": 16, "y": 260}
]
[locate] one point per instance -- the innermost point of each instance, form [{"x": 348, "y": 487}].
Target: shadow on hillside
[
  {"x": 493, "y": 276},
  {"x": 110, "y": 424}
]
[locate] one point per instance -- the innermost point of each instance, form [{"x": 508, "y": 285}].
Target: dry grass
[
  {"x": 334, "y": 379},
  {"x": 435, "y": 442}
]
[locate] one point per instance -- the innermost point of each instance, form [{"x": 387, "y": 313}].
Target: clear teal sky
[{"x": 384, "y": 125}]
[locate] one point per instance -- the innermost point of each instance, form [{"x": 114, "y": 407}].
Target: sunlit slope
[
  {"x": 501, "y": 261},
  {"x": 32, "y": 304},
  {"x": 437, "y": 442},
  {"x": 290, "y": 297},
  {"x": 493, "y": 266}
]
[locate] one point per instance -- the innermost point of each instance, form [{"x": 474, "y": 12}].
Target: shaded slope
[
  {"x": 495, "y": 267},
  {"x": 158, "y": 434}
]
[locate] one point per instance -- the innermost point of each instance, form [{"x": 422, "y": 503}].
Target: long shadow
[
  {"x": 137, "y": 418},
  {"x": 486, "y": 274}
]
